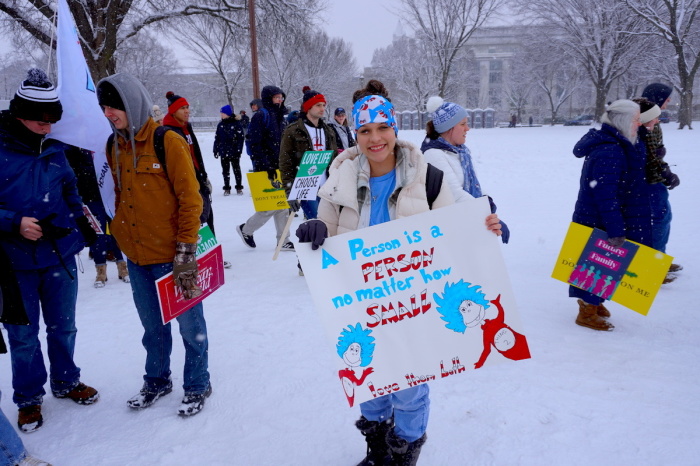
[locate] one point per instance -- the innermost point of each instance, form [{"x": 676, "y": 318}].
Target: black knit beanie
[
  {"x": 36, "y": 99},
  {"x": 108, "y": 96}
]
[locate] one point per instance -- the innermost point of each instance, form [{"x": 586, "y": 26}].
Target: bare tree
[
  {"x": 600, "y": 36},
  {"x": 555, "y": 74},
  {"x": 292, "y": 60},
  {"x": 152, "y": 68},
  {"x": 677, "y": 22},
  {"x": 221, "y": 47},
  {"x": 446, "y": 26},
  {"x": 103, "y": 25},
  {"x": 409, "y": 66},
  {"x": 520, "y": 83}
]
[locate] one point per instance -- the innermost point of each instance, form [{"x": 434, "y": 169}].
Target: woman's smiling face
[{"x": 377, "y": 141}]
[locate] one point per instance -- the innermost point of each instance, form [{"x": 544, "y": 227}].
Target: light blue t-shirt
[{"x": 380, "y": 188}]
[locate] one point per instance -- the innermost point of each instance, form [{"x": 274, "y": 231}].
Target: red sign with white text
[{"x": 210, "y": 278}]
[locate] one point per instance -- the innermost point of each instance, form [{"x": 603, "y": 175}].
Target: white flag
[{"x": 83, "y": 123}]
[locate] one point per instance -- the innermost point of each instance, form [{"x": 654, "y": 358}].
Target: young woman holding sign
[{"x": 380, "y": 179}]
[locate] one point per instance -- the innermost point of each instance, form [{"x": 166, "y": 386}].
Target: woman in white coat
[
  {"x": 444, "y": 148},
  {"x": 379, "y": 180}
]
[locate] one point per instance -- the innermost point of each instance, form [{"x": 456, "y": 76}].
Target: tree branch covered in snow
[
  {"x": 677, "y": 22},
  {"x": 597, "y": 34},
  {"x": 447, "y": 25}
]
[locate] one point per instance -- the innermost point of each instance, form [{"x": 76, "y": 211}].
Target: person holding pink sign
[{"x": 379, "y": 180}]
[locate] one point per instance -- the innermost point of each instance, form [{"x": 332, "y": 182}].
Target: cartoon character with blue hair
[
  {"x": 355, "y": 346},
  {"x": 463, "y": 305}
]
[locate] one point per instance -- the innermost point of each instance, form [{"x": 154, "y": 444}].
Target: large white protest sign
[{"x": 414, "y": 300}]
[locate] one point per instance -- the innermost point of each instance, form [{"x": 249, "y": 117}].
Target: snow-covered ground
[{"x": 629, "y": 397}]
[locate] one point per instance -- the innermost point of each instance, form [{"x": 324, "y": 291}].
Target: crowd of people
[{"x": 51, "y": 208}]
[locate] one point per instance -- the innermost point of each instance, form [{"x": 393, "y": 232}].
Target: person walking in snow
[
  {"x": 339, "y": 123},
  {"x": 308, "y": 133},
  {"x": 659, "y": 176},
  {"x": 444, "y": 148},
  {"x": 42, "y": 227},
  {"x": 613, "y": 195},
  {"x": 228, "y": 145},
  {"x": 157, "y": 220},
  {"x": 263, "y": 143},
  {"x": 379, "y": 180}
]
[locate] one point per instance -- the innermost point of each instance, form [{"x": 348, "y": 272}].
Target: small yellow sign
[
  {"x": 641, "y": 281},
  {"x": 267, "y": 194}
]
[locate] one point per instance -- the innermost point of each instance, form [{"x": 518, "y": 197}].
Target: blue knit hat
[
  {"x": 227, "y": 110},
  {"x": 446, "y": 115}
]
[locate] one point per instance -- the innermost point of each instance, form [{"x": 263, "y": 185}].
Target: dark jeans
[
  {"x": 226, "y": 164},
  {"x": 158, "y": 338},
  {"x": 50, "y": 292}
]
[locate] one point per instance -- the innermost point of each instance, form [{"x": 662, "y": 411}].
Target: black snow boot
[
  {"x": 405, "y": 453},
  {"x": 375, "y": 433}
]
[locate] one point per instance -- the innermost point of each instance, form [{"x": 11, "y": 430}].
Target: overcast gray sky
[{"x": 365, "y": 24}]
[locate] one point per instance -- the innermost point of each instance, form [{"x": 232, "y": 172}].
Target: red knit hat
[
  {"x": 175, "y": 102},
  {"x": 311, "y": 98}
]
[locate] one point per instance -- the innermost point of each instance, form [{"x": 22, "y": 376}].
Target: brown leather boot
[
  {"x": 588, "y": 317},
  {"x": 603, "y": 311},
  {"x": 29, "y": 418},
  {"x": 123, "y": 272},
  {"x": 101, "y": 276}
]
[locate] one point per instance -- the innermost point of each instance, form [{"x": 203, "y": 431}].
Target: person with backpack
[
  {"x": 228, "y": 144},
  {"x": 444, "y": 148},
  {"x": 381, "y": 179},
  {"x": 157, "y": 220},
  {"x": 308, "y": 133}
]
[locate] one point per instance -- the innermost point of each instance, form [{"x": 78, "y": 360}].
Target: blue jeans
[
  {"x": 52, "y": 293},
  {"x": 410, "y": 408},
  {"x": 660, "y": 216},
  {"x": 158, "y": 339},
  {"x": 310, "y": 209},
  {"x": 11, "y": 448}
]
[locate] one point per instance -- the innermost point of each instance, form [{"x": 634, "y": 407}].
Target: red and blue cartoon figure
[
  {"x": 355, "y": 347},
  {"x": 463, "y": 306}
]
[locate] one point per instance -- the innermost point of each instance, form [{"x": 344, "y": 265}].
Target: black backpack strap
[
  {"x": 159, "y": 145},
  {"x": 433, "y": 184}
]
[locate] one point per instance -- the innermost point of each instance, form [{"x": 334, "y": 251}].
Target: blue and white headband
[{"x": 374, "y": 109}]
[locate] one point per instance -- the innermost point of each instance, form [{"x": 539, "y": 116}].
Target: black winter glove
[
  {"x": 671, "y": 180},
  {"x": 314, "y": 232},
  {"x": 86, "y": 230},
  {"x": 185, "y": 270},
  {"x": 50, "y": 231},
  {"x": 661, "y": 152},
  {"x": 617, "y": 241},
  {"x": 294, "y": 205}
]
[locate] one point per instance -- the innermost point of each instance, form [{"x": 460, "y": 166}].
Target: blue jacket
[
  {"x": 613, "y": 195},
  {"x": 35, "y": 181},
  {"x": 265, "y": 132}
]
